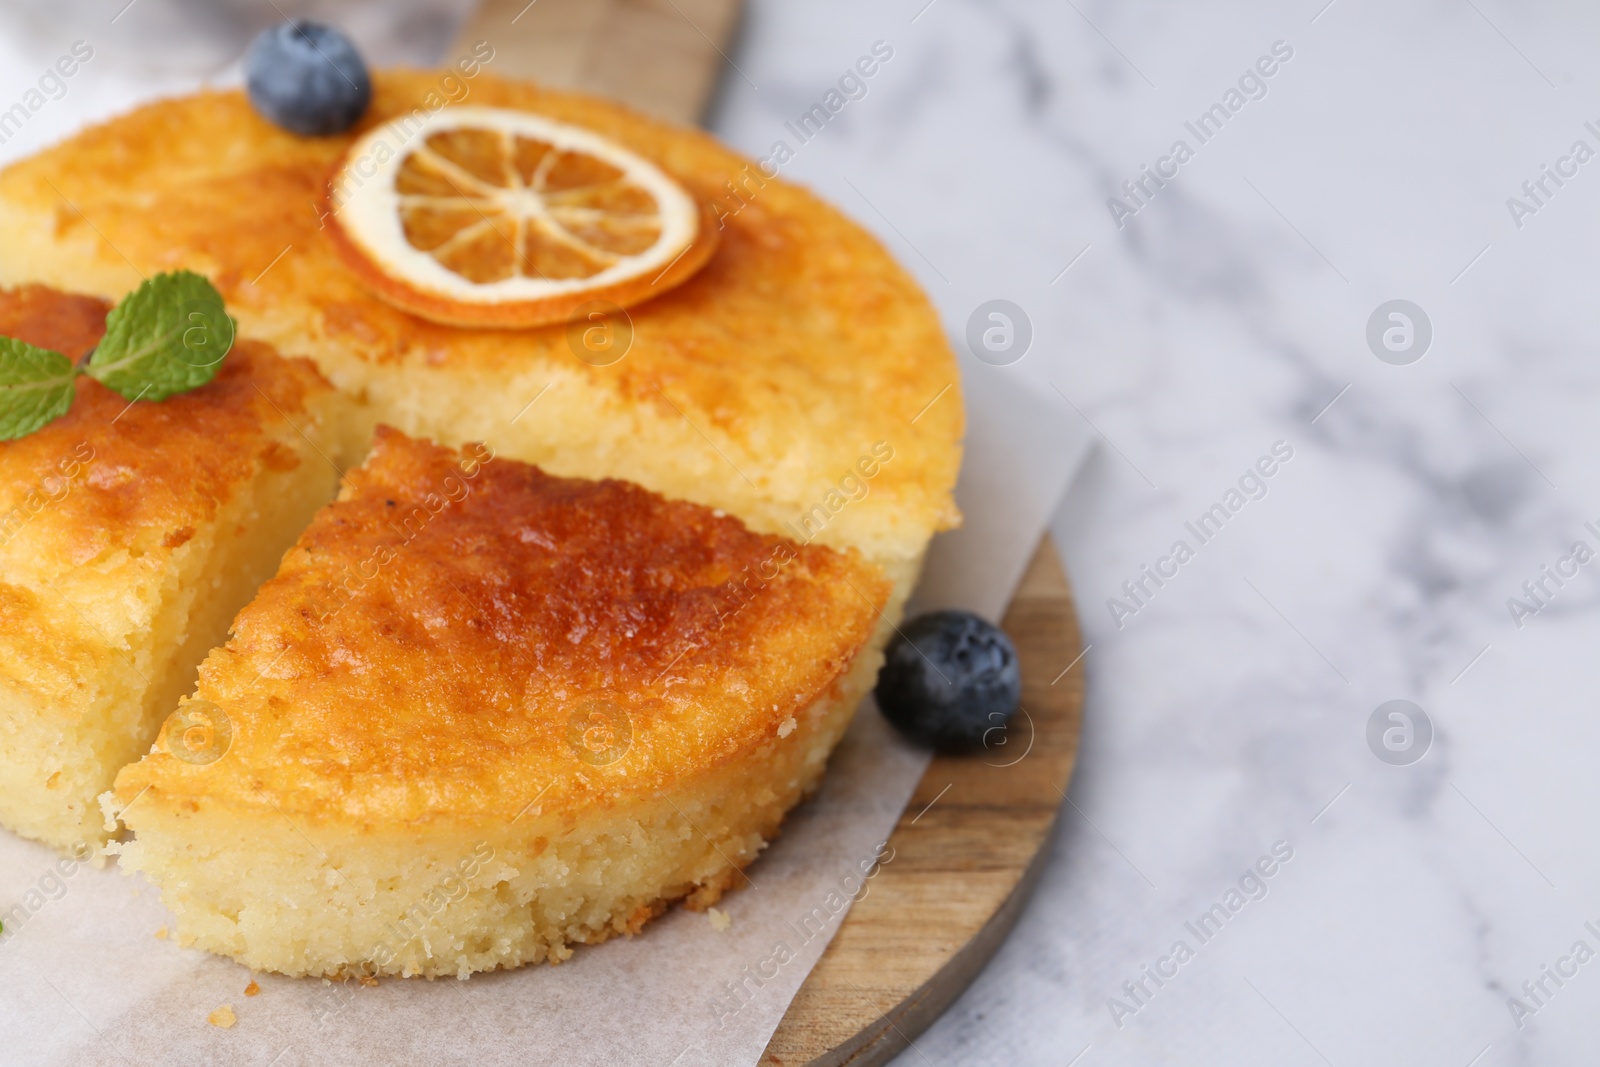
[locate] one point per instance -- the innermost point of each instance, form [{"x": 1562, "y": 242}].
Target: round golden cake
[
  {"x": 376, "y": 804},
  {"x": 756, "y": 387}
]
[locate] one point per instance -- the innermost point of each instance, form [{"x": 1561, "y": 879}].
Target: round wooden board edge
[{"x": 968, "y": 868}]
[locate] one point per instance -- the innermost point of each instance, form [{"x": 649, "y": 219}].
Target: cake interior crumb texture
[
  {"x": 553, "y": 707},
  {"x": 129, "y": 537},
  {"x": 459, "y": 898}
]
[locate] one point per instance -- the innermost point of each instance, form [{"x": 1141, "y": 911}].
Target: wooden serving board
[
  {"x": 966, "y": 853},
  {"x": 660, "y": 56},
  {"x": 970, "y": 844}
]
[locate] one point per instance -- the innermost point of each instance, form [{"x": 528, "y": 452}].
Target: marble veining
[{"x": 1227, "y": 313}]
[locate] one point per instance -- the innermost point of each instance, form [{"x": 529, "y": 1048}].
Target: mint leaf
[
  {"x": 167, "y": 336},
  {"x": 35, "y": 387}
]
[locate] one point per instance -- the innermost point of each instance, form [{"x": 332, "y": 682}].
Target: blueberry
[
  {"x": 307, "y": 77},
  {"x": 950, "y": 681}
]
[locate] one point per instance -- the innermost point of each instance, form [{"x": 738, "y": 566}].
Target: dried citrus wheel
[{"x": 478, "y": 216}]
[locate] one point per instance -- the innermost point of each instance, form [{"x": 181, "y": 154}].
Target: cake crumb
[
  {"x": 223, "y": 1017},
  {"x": 787, "y": 727},
  {"x": 721, "y": 920},
  {"x": 252, "y": 989},
  {"x": 161, "y": 934}
]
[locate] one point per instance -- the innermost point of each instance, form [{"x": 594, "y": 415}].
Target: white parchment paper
[{"x": 84, "y": 979}]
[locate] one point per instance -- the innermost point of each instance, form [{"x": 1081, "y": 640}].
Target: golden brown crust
[
  {"x": 796, "y": 346},
  {"x": 459, "y": 634},
  {"x": 69, "y": 323},
  {"x": 111, "y": 475}
]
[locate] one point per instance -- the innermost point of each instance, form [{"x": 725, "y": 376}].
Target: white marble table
[
  {"x": 1229, "y": 313},
  {"x": 1228, "y": 715}
]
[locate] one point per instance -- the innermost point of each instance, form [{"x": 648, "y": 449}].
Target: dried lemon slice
[{"x": 478, "y": 216}]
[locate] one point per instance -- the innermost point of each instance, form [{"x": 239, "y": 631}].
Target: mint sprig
[
  {"x": 35, "y": 387},
  {"x": 166, "y": 337}
]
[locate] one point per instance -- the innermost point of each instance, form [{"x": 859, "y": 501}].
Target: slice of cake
[
  {"x": 483, "y": 713},
  {"x": 130, "y": 534}
]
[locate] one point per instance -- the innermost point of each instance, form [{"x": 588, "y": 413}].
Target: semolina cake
[
  {"x": 761, "y": 386},
  {"x": 483, "y": 713},
  {"x": 130, "y": 534},
  {"x": 486, "y": 709}
]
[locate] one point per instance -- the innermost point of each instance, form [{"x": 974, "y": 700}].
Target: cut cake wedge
[
  {"x": 483, "y": 713},
  {"x": 130, "y": 534}
]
